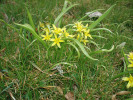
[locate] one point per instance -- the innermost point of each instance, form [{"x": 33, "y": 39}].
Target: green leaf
[
  {"x": 82, "y": 48},
  {"x": 8, "y": 25},
  {"x": 103, "y": 50},
  {"x": 63, "y": 12},
  {"x": 30, "y": 19},
  {"x": 30, "y": 29},
  {"x": 94, "y": 44},
  {"x": 75, "y": 49},
  {"x": 101, "y": 18},
  {"x": 105, "y": 29}
]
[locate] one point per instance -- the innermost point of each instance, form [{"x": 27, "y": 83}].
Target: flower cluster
[
  {"x": 130, "y": 78},
  {"x": 57, "y": 35}
]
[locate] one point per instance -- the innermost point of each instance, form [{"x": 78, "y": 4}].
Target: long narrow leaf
[
  {"x": 30, "y": 29},
  {"x": 103, "y": 50},
  {"x": 64, "y": 7},
  {"x": 75, "y": 49},
  {"x": 105, "y": 29},
  {"x": 8, "y": 25},
  {"x": 94, "y": 44},
  {"x": 62, "y": 13},
  {"x": 101, "y": 18},
  {"x": 82, "y": 49},
  {"x": 30, "y": 19}
]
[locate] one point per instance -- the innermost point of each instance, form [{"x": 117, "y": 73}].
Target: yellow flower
[
  {"x": 84, "y": 41},
  {"x": 86, "y": 33},
  {"x": 57, "y": 41},
  {"x": 79, "y": 26},
  {"x": 130, "y": 79},
  {"x": 46, "y": 30},
  {"x": 41, "y": 24},
  {"x": 130, "y": 56},
  {"x": 47, "y": 36},
  {"x": 79, "y": 37},
  {"x": 66, "y": 34},
  {"x": 131, "y": 63},
  {"x": 56, "y": 30}
]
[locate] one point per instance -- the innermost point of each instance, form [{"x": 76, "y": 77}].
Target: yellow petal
[
  {"x": 53, "y": 44},
  {"x": 58, "y": 44},
  {"x": 61, "y": 41},
  {"x": 125, "y": 79},
  {"x": 130, "y": 65},
  {"x": 128, "y": 85}
]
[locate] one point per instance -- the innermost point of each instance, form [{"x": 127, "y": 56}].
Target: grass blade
[{"x": 101, "y": 18}]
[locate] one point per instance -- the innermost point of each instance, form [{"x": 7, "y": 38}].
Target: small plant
[{"x": 76, "y": 34}]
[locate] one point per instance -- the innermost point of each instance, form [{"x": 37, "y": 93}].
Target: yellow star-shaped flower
[
  {"x": 79, "y": 26},
  {"x": 47, "y": 36},
  {"x": 41, "y": 24},
  {"x": 129, "y": 79},
  {"x": 56, "y": 30},
  {"x": 66, "y": 34},
  {"x": 57, "y": 41},
  {"x": 86, "y": 33},
  {"x": 130, "y": 56},
  {"x": 84, "y": 41},
  {"x": 131, "y": 63}
]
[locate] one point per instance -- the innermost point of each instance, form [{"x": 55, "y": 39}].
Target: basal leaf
[
  {"x": 103, "y": 50},
  {"x": 101, "y": 18},
  {"x": 82, "y": 49},
  {"x": 75, "y": 49},
  {"x": 63, "y": 12},
  {"x": 30, "y": 19},
  {"x": 30, "y": 29}
]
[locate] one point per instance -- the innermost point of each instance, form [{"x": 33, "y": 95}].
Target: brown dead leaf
[
  {"x": 75, "y": 87},
  {"x": 120, "y": 93},
  {"x": 123, "y": 93},
  {"x": 48, "y": 87},
  {"x": 70, "y": 96},
  {"x": 10, "y": 93},
  {"x": 60, "y": 90},
  {"x": 113, "y": 97}
]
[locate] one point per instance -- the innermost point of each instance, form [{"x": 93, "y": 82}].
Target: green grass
[{"x": 92, "y": 79}]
